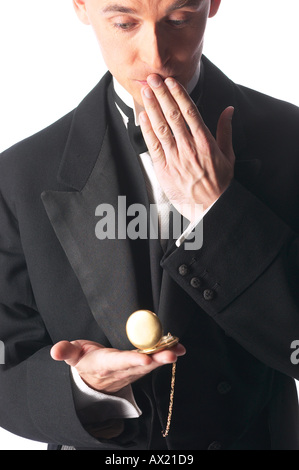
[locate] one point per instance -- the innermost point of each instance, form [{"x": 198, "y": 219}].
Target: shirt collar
[{"x": 129, "y": 101}]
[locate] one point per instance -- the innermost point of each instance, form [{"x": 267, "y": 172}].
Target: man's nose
[{"x": 155, "y": 49}]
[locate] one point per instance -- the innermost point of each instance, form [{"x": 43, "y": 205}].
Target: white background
[{"x": 49, "y": 61}]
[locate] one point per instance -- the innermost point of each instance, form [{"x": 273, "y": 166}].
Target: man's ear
[
  {"x": 80, "y": 9},
  {"x": 215, "y": 4}
]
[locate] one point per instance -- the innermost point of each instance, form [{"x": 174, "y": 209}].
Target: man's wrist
[
  {"x": 187, "y": 232},
  {"x": 84, "y": 396}
]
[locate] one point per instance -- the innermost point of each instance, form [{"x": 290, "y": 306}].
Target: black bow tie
[{"x": 135, "y": 134}]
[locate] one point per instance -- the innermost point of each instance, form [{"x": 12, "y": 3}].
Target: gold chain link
[{"x": 166, "y": 432}]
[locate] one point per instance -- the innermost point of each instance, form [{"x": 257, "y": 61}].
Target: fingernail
[
  {"x": 154, "y": 81},
  {"x": 148, "y": 93},
  {"x": 170, "y": 82}
]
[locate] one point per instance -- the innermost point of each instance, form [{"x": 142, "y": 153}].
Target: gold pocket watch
[{"x": 144, "y": 330}]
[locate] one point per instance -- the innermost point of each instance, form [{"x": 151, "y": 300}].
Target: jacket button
[
  {"x": 183, "y": 270},
  {"x": 195, "y": 282},
  {"x": 215, "y": 446},
  {"x": 224, "y": 388},
  {"x": 208, "y": 294}
]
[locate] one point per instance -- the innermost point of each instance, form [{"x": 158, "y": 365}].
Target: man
[{"x": 70, "y": 376}]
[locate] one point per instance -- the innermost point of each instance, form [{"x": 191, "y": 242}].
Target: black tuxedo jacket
[{"x": 235, "y": 386}]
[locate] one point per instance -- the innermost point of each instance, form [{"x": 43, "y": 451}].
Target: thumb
[
  {"x": 224, "y": 133},
  {"x": 65, "y": 351}
]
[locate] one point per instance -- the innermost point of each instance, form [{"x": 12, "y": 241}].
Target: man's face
[{"x": 140, "y": 37}]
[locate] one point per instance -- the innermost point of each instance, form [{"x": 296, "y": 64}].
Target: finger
[
  {"x": 179, "y": 350},
  {"x": 157, "y": 119},
  {"x": 169, "y": 356},
  {"x": 152, "y": 142},
  {"x": 224, "y": 133},
  {"x": 188, "y": 108},
  {"x": 66, "y": 351},
  {"x": 168, "y": 105},
  {"x": 113, "y": 360},
  {"x": 133, "y": 361},
  {"x": 106, "y": 358}
]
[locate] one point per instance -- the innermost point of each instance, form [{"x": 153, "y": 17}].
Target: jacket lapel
[
  {"x": 105, "y": 268},
  {"x": 85, "y": 137}
]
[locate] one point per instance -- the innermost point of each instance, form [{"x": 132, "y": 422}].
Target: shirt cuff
[
  {"x": 120, "y": 405},
  {"x": 187, "y": 232}
]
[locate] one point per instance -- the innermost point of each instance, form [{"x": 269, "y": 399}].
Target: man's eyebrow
[
  {"x": 118, "y": 8},
  {"x": 177, "y": 5}
]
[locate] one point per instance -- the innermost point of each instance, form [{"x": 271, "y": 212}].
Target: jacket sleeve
[
  {"x": 36, "y": 396},
  {"x": 245, "y": 276}
]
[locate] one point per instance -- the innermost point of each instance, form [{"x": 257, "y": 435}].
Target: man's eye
[
  {"x": 124, "y": 26},
  {"x": 178, "y": 23}
]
